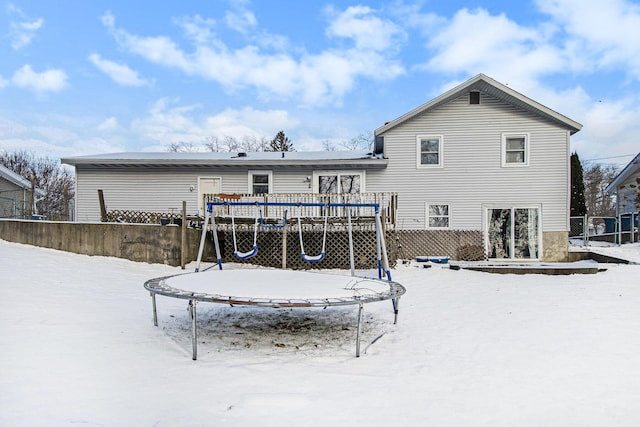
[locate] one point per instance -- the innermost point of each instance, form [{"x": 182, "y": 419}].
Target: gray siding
[
  {"x": 163, "y": 190},
  {"x": 472, "y": 175}
]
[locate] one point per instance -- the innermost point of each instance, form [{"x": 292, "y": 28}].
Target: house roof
[
  {"x": 225, "y": 159},
  {"x": 630, "y": 169},
  {"x": 18, "y": 180},
  {"x": 489, "y": 86}
]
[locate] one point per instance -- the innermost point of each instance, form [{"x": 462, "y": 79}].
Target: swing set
[{"x": 259, "y": 222}]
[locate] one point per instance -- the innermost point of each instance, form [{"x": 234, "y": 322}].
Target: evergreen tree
[
  {"x": 280, "y": 142},
  {"x": 578, "y": 203}
]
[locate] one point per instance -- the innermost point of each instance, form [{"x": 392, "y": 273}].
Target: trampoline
[
  {"x": 279, "y": 288},
  {"x": 273, "y": 288}
]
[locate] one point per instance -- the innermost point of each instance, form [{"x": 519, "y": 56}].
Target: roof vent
[{"x": 242, "y": 154}]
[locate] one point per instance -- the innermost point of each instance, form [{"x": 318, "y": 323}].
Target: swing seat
[
  {"x": 313, "y": 258},
  {"x": 246, "y": 255}
]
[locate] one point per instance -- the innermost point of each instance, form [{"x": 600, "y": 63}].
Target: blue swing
[
  {"x": 254, "y": 250},
  {"x": 320, "y": 256}
]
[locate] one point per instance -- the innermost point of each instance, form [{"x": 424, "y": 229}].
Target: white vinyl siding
[
  {"x": 164, "y": 190},
  {"x": 473, "y": 174}
]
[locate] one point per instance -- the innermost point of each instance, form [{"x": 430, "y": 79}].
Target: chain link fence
[{"x": 604, "y": 228}]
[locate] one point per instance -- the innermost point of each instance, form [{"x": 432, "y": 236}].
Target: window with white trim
[
  {"x": 260, "y": 182},
  {"x": 515, "y": 149},
  {"x": 438, "y": 216},
  {"x": 338, "y": 182},
  {"x": 429, "y": 151}
]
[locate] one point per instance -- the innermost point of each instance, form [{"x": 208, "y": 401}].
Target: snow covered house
[{"x": 480, "y": 158}]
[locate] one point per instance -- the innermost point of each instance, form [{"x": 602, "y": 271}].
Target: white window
[
  {"x": 260, "y": 182},
  {"x": 338, "y": 182},
  {"x": 438, "y": 216},
  {"x": 429, "y": 151},
  {"x": 515, "y": 149}
]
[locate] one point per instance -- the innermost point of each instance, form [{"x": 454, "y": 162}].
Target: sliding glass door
[{"x": 513, "y": 233}]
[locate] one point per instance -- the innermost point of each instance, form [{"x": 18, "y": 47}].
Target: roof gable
[
  {"x": 489, "y": 86},
  {"x": 14, "y": 178},
  {"x": 632, "y": 168}
]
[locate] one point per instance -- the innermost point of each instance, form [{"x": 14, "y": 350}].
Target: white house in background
[
  {"x": 479, "y": 157},
  {"x": 16, "y": 195},
  {"x": 626, "y": 187}
]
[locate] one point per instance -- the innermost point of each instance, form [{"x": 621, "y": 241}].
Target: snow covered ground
[
  {"x": 470, "y": 349},
  {"x": 628, "y": 251}
]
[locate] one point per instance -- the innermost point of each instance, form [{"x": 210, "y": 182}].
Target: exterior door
[
  {"x": 207, "y": 185},
  {"x": 513, "y": 233}
]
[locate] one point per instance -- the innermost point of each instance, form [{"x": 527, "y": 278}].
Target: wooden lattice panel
[{"x": 413, "y": 243}]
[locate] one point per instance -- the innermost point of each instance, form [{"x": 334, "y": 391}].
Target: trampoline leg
[
  {"x": 360, "y": 308},
  {"x": 155, "y": 312},
  {"x": 396, "y": 302},
  {"x": 194, "y": 333}
]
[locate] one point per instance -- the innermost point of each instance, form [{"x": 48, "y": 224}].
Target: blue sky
[{"x": 91, "y": 77}]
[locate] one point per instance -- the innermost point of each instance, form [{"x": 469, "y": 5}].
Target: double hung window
[
  {"x": 438, "y": 216},
  {"x": 260, "y": 182},
  {"x": 515, "y": 149},
  {"x": 429, "y": 151}
]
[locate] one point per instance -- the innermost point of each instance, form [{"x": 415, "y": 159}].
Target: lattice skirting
[
  {"x": 455, "y": 244},
  {"x": 403, "y": 244}
]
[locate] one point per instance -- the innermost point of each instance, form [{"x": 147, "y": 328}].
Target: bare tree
[
  {"x": 596, "y": 178},
  {"x": 212, "y": 143},
  {"x": 362, "y": 141},
  {"x": 48, "y": 175},
  {"x": 230, "y": 143},
  {"x": 182, "y": 147},
  {"x": 328, "y": 145}
]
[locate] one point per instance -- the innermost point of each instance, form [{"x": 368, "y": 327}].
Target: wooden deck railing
[{"x": 386, "y": 201}]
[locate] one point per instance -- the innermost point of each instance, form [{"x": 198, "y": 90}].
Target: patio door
[{"x": 513, "y": 233}]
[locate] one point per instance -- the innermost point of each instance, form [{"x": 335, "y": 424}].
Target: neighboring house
[
  {"x": 480, "y": 158},
  {"x": 16, "y": 195},
  {"x": 626, "y": 187}
]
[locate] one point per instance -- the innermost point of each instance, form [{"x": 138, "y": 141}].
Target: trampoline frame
[{"x": 158, "y": 286}]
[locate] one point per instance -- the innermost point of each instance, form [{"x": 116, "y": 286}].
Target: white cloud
[
  {"x": 196, "y": 28},
  {"x": 310, "y": 78},
  {"x": 368, "y": 31},
  {"x": 242, "y": 21},
  {"x": 119, "y": 73},
  {"x": 109, "y": 124},
  {"x": 167, "y": 122},
  {"x": 23, "y": 31},
  {"x": 46, "y": 81},
  {"x": 500, "y": 48},
  {"x": 3, "y": 82},
  {"x": 607, "y": 34}
]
